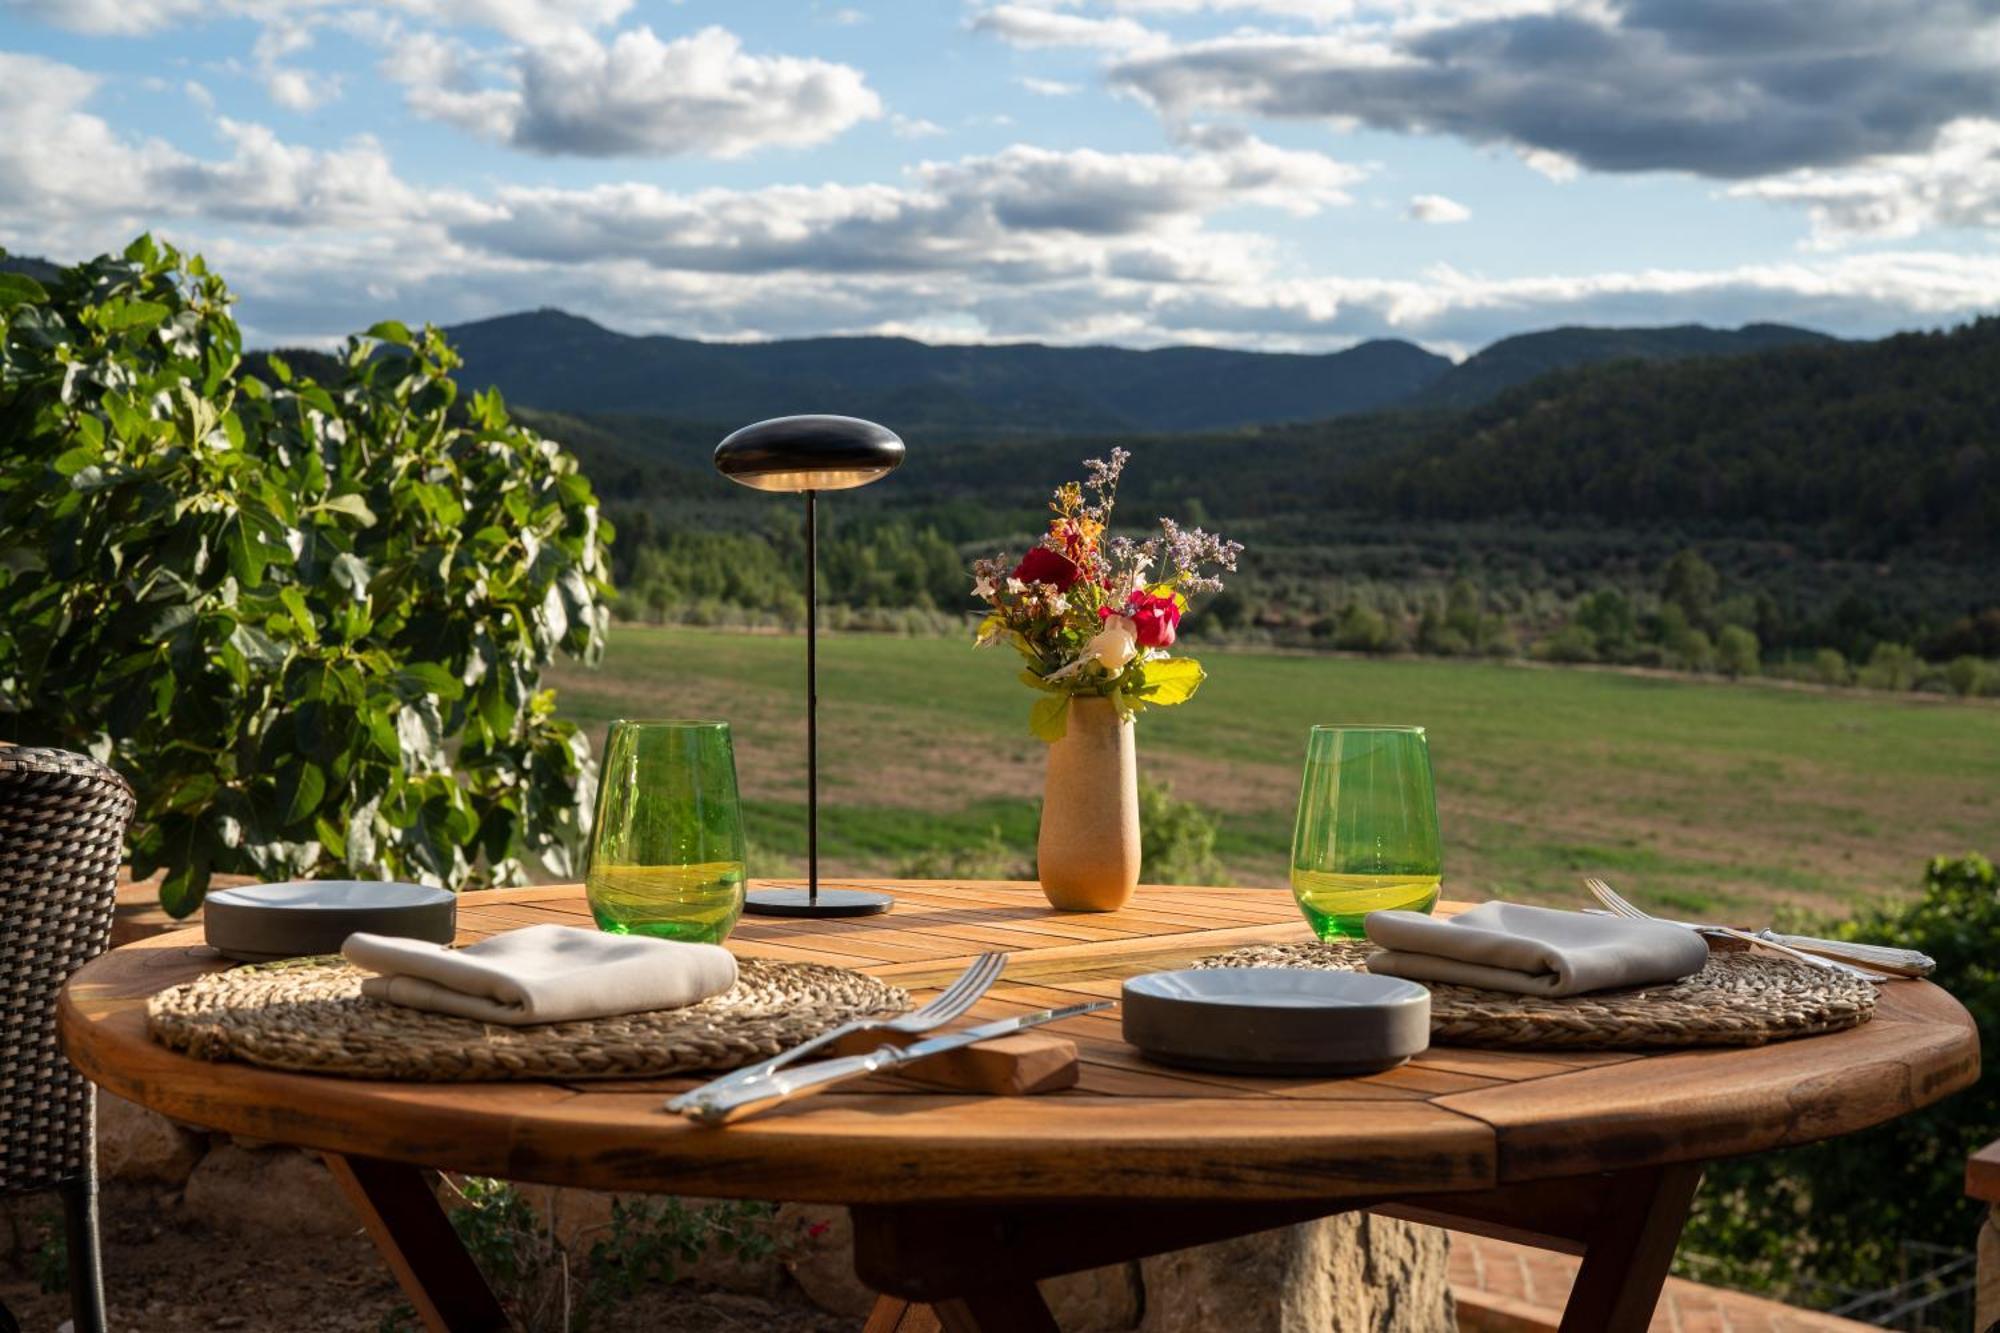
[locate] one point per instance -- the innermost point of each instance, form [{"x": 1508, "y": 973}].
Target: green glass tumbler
[
  {"x": 666, "y": 851},
  {"x": 1366, "y": 839}
]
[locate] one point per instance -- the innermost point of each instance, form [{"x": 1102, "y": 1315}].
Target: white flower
[
  {"x": 1111, "y": 648},
  {"x": 983, "y": 589},
  {"x": 1016, "y": 587},
  {"x": 1058, "y": 604},
  {"x": 1114, "y": 645}
]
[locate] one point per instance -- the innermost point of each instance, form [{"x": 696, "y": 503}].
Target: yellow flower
[{"x": 1076, "y": 536}]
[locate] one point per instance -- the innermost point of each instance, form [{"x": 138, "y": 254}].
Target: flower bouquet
[{"x": 1096, "y": 618}]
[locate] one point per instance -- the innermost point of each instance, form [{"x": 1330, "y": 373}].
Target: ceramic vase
[{"x": 1088, "y": 852}]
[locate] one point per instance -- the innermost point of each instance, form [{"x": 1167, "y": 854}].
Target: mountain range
[
  {"x": 562, "y": 362},
  {"x": 557, "y": 361}
]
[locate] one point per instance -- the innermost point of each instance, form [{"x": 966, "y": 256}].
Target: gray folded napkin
[
  {"x": 1532, "y": 950},
  {"x": 541, "y": 974}
]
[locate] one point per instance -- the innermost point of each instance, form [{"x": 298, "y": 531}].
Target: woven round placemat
[
  {"x": 308, "y": 1015},
  {"x": 1737, "y": 999}
]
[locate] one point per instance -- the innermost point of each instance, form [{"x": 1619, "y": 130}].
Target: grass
[{"x": 1691, "y": 795}]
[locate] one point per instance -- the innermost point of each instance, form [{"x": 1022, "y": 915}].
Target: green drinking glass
[
  {"x": 1367, "y": 833},
  {"x": 666, "y": 852}
]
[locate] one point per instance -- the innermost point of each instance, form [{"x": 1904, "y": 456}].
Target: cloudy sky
[{"x": 1262, "y": 173}]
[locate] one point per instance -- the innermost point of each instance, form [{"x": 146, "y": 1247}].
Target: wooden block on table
[{"x": 1012, "y": 1066}]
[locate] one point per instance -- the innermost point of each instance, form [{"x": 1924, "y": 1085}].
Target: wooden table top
[{"x": 1453, "y": 1119}]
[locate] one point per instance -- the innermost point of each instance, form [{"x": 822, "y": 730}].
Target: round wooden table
[{"x": 962, "y": 1202}]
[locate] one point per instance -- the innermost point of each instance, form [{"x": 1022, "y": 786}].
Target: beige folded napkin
[
  {"x": 541, "y": 974},
  {"x": 1533, "y": 950}
]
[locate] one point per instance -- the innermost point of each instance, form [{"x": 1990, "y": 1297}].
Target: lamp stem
[{"x": 812, "y": 698}]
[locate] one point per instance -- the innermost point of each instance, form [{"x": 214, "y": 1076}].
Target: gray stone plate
[
  {"x": 1276, "y": 1020},
  {"x": 261, "y": 922}
]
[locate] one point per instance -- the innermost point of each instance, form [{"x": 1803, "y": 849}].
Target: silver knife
[{"x": 754, "y": 1095}]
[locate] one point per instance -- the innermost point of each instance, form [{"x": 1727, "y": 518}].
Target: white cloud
[
  {"x": 1048, "y": 87},
  {"x": 119, "y": 17},
  {"x": 1023, "y": 215},
  {"x": 1954, "y": 184},
  {"x": 1436, "y": 208},
  {"x": 1031, "y": 26},
  {"x": 914, "y": 127},
  {"x": 441, "y": 80},
  {"x": 637, "y": 96},
  {"x": 520, "y": 20},
  {"x": 523, "y": 20},
  {"x": 61, "y": 165},
  {"x": 289, "y": 86},
  {"x": 1555, "y": 166},
  {"x": 1029, "y": 242}
]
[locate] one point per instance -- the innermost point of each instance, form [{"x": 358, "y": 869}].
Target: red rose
[
  {"x": 1043, "y": 565},
  {"x": 1158, "y": 618}
]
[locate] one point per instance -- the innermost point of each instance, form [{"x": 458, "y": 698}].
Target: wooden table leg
[
  {"x": 1003, "y": 1311},
  {"x": 893, "y": 1314},
  {"x": 1625, "y": 1260},
  {"x": 403, "y": 1218},
  {"x": 1014, "y": 1309}
]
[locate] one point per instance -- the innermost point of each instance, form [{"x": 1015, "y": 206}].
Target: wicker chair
[{"x": 62, "y": 832}]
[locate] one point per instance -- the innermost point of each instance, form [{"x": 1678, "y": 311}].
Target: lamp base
[{"x": 831, "y": 902}]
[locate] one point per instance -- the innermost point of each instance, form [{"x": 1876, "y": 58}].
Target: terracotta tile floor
[{"x": 1506, "y": 1288}]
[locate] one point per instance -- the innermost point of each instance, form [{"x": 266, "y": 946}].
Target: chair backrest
[{"x": 63, "y": 818}]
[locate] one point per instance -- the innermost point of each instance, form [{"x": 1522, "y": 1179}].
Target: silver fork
[
  {"x": 1610, "y": 898},
  {"x": 949, "y": 1003}
]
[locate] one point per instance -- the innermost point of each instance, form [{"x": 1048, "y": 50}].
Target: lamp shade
[{"x": 809, "y": 453}]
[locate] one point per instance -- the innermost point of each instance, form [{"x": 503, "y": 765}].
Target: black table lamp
[{"x": 811, "y": 454}]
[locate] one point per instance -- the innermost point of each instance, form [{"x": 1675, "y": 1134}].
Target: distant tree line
[{"x": 891, "y": 572}]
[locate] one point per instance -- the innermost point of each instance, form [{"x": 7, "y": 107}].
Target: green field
[{"x": 1687, "y": 794}]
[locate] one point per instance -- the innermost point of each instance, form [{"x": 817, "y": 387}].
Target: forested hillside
[
  {"x": 1528, "y": 356},
  {"x": 1834, "y": 506},
  {"x": 1890, "y": 445}
]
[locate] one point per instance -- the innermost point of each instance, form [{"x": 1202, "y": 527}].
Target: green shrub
[
  {"x": 1829, "y": 667},
  {"x": 307, "y": 621},
  {"x": 1572, "y": 643},
  {"x": 1361, "y": 629},
  {"x": 552, "y": 1284},
  {"x": 1608, "y": 615},
  {"x": 1892, "y": 666},
  {"x": 1176, "y": 838},
  {"x": 1835, "y": 1213},
  {"x": 1967, "y": 676},
  {"x": 1736, "y": 651},
  {"x": 993, "y": 857},
  {"x": 1690, "y": 650}
]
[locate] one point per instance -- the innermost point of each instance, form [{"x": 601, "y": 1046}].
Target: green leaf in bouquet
[
  {"x": 1049, "y": 718},
  {"x": 1170, "y": 680}
]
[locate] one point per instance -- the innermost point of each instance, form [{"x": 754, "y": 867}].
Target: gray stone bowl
[
  {"x": 262, "y": 922},
  {"x": 1276, "y": 1020}
]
